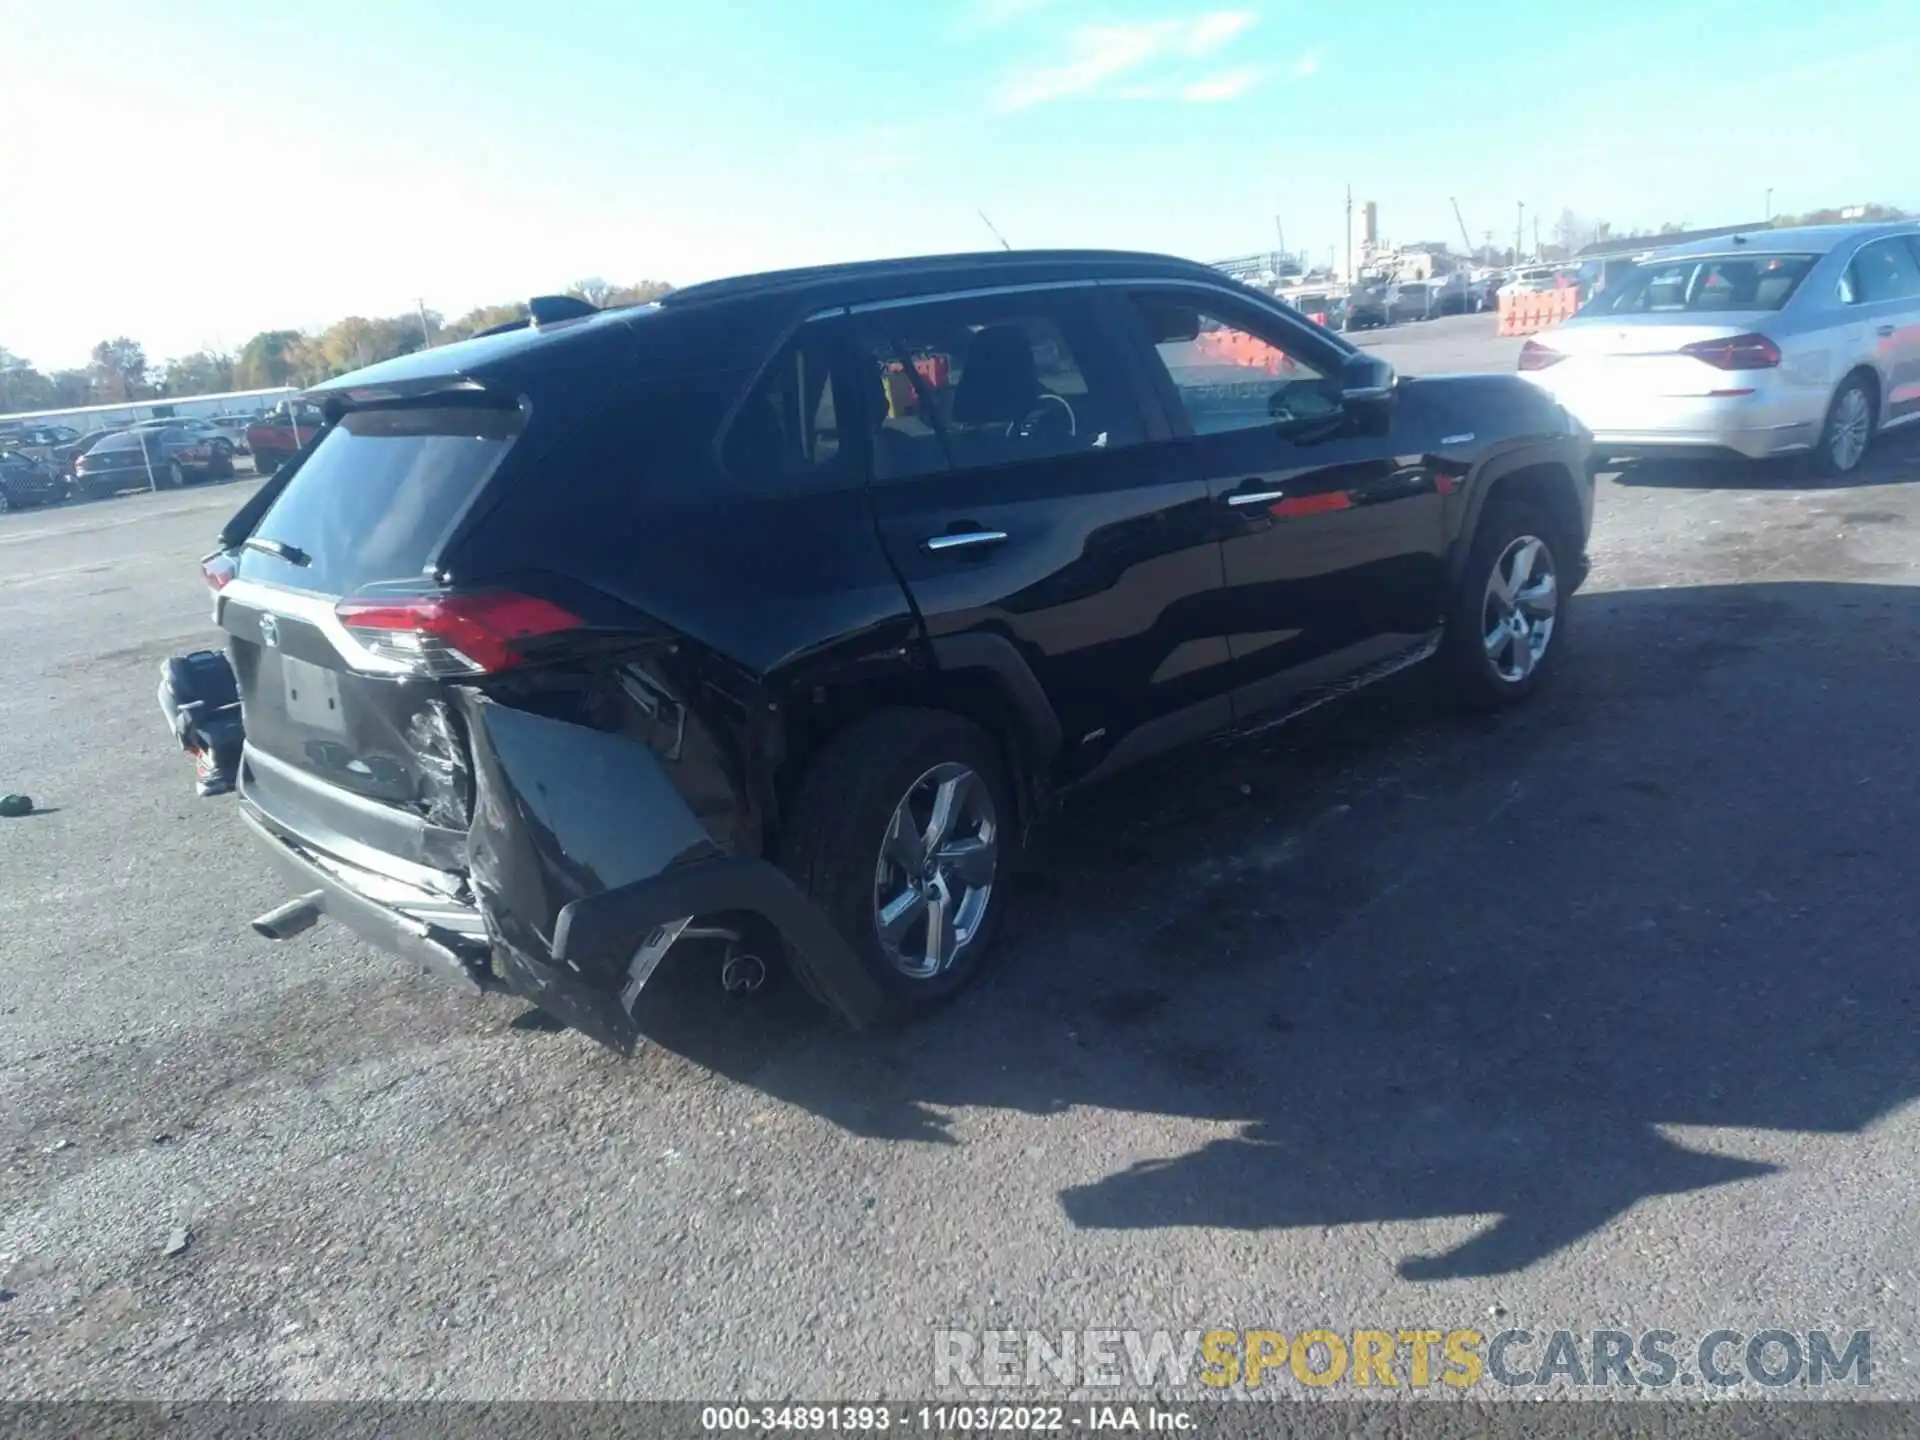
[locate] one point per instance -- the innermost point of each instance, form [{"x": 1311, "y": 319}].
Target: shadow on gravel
[
  {"x": 1436, "y": 967},
  {"x": 1894, "y": 460}
]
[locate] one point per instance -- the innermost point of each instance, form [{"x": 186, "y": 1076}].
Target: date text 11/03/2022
[{"x": 945, "y": 1419}]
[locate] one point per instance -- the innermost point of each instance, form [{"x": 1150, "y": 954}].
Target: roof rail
[{"x": 776, "y": 280}]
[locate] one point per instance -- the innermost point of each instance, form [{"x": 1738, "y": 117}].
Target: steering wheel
[{"x": 1043, "y": 417}]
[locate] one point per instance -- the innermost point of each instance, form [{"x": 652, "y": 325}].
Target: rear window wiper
[{"x": 279, "y": 549}]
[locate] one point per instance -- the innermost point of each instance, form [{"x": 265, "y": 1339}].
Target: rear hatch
[{"x": 340, "y": 638}]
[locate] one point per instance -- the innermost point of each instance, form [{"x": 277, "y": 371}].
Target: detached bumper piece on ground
[{"x": 770, "y": 617}]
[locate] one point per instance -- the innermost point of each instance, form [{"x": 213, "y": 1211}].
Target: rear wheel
[
  {"x": 1849, "y": 428},
  {"x": 1509, "y": 612},
  {"x": 900, "y": 833},
  {"x": 6, "y": 502},
  {"x": 176, "y": 475}
]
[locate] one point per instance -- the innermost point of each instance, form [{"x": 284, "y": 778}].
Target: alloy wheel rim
[
  {"x": 1851, "y": 419},
  {"x": 935, "y": 875},
  {"x": 1518, "y": 613}
]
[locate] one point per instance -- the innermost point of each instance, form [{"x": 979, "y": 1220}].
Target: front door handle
[
  {"x": 1886, "y": 330},
  {"x": 961, "y": 539},
  {"x": 1256, "y": 497}
]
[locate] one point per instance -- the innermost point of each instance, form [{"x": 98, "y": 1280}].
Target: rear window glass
[
  {"x": 378, "y": 496},
  {"x": 1706, "y": 283},
  {"x": 125, "y": 440}
]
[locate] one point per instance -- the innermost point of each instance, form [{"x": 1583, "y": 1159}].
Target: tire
[
  {"x": 176, "y": 476},
  {"x": 841, "y": 819},
  {"x": 1479, "y": 676},
  {"x": 1847, "y": 435},
  {"x": 6, "y": 502}
]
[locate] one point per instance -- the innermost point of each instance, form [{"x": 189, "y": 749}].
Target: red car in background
[{"x": 280, "y": 434}]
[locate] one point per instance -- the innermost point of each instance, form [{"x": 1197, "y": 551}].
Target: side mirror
[
  {"x": 1367, "y": 386},
  {"x": 1366, "y": 380}
]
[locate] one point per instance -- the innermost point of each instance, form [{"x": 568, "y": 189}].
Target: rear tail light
[
  {"x": 1742, "y": 352},
  {"x": 1535, "y": 356},
  {"x": 451, "y": 635},
  {"x": 217, "y": 569}
]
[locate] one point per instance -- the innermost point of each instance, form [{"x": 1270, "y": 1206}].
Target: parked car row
[{"x": 46, "y": 464}]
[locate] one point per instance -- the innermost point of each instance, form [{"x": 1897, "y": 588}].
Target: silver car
[{"x": 1772, "y": 343}]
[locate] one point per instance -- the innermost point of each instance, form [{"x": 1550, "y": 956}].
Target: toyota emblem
[{"x": 269, "y": 632}]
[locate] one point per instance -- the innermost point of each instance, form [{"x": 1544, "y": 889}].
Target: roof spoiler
[{"x": 547, "y": 310}]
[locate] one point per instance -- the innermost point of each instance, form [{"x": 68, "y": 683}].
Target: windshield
[
  {"x": 379, "y": 495},
  {"x": 1700, "y": 284}
]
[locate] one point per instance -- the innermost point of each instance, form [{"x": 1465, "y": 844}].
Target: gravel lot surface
[{"x": 1601, "y": 1014}]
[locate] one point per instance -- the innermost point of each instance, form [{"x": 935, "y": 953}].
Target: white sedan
[{"x": 1777, "y": 342}]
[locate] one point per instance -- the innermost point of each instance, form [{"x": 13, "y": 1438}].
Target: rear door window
[
  {"x": 376, "y": 500},
  {"x": 1884, "y": 270}
]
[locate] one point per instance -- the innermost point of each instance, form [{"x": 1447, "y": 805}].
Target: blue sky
[{"x": 245, "y": 164}]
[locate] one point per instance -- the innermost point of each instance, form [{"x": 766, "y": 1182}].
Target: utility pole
[
  {"x": 1465, "y": 239},
  {"x": 426, "y": 337},
  {"x": 1769, "y": 204},
  {"x": 1349, "y": 275},
  {"x": 1536, "y": 239},
  {"x": 1519, "y": 231}
]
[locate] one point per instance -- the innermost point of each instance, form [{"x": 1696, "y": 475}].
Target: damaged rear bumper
[
  {"x": 329, "y": 893},
  {"x": 585, "y": 866}
]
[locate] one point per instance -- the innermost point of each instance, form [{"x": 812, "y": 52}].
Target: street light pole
[
  {"x": 1349, "y": 274},
  {"x": 1519, "y": 230},
  {"x": 1769, "y": 205}
]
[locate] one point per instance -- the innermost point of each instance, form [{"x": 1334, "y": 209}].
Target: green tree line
[{"x": 118, "y": 369}]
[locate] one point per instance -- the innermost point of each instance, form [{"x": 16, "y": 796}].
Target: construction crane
[{"x": 1465, "y": 238}]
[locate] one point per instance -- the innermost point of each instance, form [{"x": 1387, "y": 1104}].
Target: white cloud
[
  {"x": 1099, "y": 54},
  {"x": 1228, "y": 85},
  {"x": 1210, "y": 32},
  {"x": 1306, "y": 65}
]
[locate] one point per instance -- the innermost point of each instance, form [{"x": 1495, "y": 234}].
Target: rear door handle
[
  {"x": 1256, "y": 497},
  {"x": 1886, "y": 330},
  {"x": 961, "y": 539}
]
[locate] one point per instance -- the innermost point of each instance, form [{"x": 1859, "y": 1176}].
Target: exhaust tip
[
  {"x": 743, "y": 973},
  {"x": 288, "y": 920}
]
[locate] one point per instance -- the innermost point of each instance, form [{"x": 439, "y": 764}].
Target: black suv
[{"x": 774, "y": 613}]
